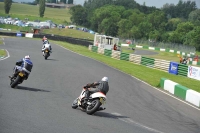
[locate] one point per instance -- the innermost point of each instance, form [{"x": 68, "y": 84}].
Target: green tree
[
  {"x": 135, "y": 32},
  {"x": 136, "y": 17},
  {"x": 154, "y": 35},
  {"x": 157, "y": 19},
  {"x": 42, "y": 8},
  {"x": 111, "y": 14},
  {"x": 124, "y": 28},
  {"x": 63, "y": 1},
  {"x": 172, "y": 24},
  {"x": 53, "y": 1},
  {"x": 37, "y": 1},
  {"x": 70, "y": 2},
  {"x": 194, "y": 17},
  {"x": 145, "y": 28},
  {"x": 192, "y": 38},
  {"x": 179, "y": 35},
  {"x": 78, "y": 15},
  {"x": 7, "y": 6}
]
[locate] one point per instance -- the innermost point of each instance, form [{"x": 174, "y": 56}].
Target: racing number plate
[
  {"x": 101, "y": 100},
  {"x": 79, "y": 102},
  {"x": 21, "y": 74}
]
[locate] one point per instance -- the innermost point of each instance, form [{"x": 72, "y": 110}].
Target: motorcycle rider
[
  {"x": 101, "y": 86},
  {"x": 44, "y": 38},
  {"x": 23, "y": 64}
]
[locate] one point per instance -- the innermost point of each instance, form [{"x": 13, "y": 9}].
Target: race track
[{"x": 42, "y": 104}]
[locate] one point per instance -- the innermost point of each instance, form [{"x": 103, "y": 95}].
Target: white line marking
[
  {"x": 4, "y": 43},
  {"x": 128, "y": 120},
  {"x": 8, "y": 55},
  {"x": 139, "y": 80}
]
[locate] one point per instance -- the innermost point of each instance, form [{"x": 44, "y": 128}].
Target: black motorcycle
[{"x": 20, "y": 76}]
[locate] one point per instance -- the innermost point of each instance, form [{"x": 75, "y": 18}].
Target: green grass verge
[
  {"x": 2, "y": 53},
  {"x": 151, "y": 76},
  {"x": 22, "y": 11}
]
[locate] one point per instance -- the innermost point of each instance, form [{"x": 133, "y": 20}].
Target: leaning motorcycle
[
  {"x": 18, "y": 78},
  {"x": 94, "y": 103}
]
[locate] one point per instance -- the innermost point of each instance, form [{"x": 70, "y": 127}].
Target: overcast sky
[{"x": 156, "y": 3}]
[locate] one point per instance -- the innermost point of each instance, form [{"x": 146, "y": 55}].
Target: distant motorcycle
[
  {"x": 46, "y": 51},
  {"x": 184, "y": 61},
  {"x": 92, "y": 105}
]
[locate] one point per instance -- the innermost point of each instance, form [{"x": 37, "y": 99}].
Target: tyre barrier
[{"x": 180, "y": 91}]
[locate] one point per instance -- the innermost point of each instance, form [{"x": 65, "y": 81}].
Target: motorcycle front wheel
[
  {"x": 75, "y": 104},
  {"x": 93, "y": 107}
]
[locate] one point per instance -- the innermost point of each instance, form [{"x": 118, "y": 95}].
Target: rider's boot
[{"x": 12, "y": 76}]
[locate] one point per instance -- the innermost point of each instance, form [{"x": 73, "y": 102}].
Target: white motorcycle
[
  {"x": 46, "y": 50},
  {"x": 92, "y": 105}
]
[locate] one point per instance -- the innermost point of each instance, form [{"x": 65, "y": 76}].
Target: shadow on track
[
  {"x": 53, "y": 59},
  {"x": 30, "y": 89},
  {"x": 108, "y": 115}
]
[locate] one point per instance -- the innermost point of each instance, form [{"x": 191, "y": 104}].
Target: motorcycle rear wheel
[
  {"x": 91, "y": 109},
  {"x": 15, "y": 82},
  {"x": 46, "y": 55}
]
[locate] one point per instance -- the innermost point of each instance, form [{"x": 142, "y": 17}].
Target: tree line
[{"x": 127, "y": 19}]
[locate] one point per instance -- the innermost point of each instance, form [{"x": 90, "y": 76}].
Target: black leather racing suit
[{"x": 101, "y": 86}]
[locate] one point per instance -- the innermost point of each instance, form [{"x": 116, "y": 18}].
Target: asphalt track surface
[{"x": 42, "y": 104}]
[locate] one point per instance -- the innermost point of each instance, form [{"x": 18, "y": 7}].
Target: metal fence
[{"x": 174, "y": 46}]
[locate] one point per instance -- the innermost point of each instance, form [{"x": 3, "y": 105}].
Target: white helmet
[
  {"x": 104, "y": 79},
  {"x": 27, "y": 57}
]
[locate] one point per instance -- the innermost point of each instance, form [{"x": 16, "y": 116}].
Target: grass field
[
  {"x": 2, "y": 53},
  {"x": 22, "y": 11},
  {"x": 151, "y": 76}
]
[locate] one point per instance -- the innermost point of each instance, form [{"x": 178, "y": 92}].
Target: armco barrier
[
  {"x": 124, "y": 56},
  {"x": 11, "y": 34},
  {"x": 180, "y": 91},
  {"x": 149, "y": 62},
  {"x": 182, "y": 69},
  {"x": 71, "y": 40},
  {"x": 78, "y": 41}
]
